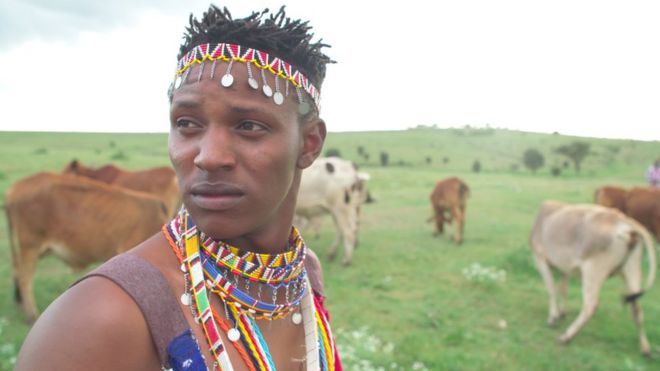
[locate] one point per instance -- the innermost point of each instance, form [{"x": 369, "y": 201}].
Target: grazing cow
[
  {"x": 78, "y": 219},
  {"x": 611, "y": 196},
  {"x": 597, "y": 242},
  {"x": 333, "y": 186},
  {"x": 448, "y": 200},
  {"x": 643, "y": 205},
  {"x": 159, "y": 181}
]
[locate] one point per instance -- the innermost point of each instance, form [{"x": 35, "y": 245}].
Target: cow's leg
[
  {"x": 332, "y": 251},
  {"x": 563, "y": 287},
  {"x": 632, "y": 276},
  {"x": 460, "y": 221},
  {"x": 439, "y": 220},
  {"x": 349, "y": 235},
  {"x": 346, "y": 220},
  {"x": 24, "y": 278},
  {"x": 314, "y": 225},
  {"x": 546, "y": 274},
  {"x": 638, "y": 316},
  {"x": 593, "y": 276}
]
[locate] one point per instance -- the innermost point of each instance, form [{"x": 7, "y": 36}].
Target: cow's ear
[{"x": 313, "y": 138}]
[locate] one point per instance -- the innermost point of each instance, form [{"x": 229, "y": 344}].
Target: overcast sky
[{"x": 583, "y": 67}]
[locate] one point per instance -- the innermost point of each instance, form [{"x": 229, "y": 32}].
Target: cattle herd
[{"x": 86, "y": 215}]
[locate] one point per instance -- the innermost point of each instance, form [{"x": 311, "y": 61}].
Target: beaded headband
[{"x": 263, "y": 61}]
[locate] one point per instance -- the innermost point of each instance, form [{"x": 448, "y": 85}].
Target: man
[
  {"x": 244, "y": 124},
  {"x": 653, "y": 174}
]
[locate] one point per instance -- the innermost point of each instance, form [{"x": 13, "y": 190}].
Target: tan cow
[
  {"x": 596, "y": 242},
  {"x": 611, "y": 196},
  {"x": 643, "y": 205},
  {"x": 80, "y": 220},
  {"x": 448, "y": 200},
  {"x": 159, "y": 181},
  {"x": 333, "y": 186}
]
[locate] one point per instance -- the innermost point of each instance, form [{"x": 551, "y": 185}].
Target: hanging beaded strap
[{"x": 200, "y": 296}]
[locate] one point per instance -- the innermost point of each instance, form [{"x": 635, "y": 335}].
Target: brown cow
[
  {"x": 596, "y": 242},
  {"x": 449, "y": 196},
  {"x": 643, "y": 205},
  {"x": 159, "y": 181},
  {"x": 611, "y": 196},
  {"x": 79, "y": 219}
]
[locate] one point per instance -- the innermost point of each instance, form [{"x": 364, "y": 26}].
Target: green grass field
[{"x": 406, "y": 303}]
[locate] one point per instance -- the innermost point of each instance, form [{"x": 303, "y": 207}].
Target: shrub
[
  {"x": 576, "y": 152},
  {"x": 476, "y": 166},
  {"x": 360, "y": 150},
  {"x": 119, "y": 155},
  {"x": 384, "y": 158},
  {"x": 555, "y": 171},
  {"x": 445, "y": 160},
  {"x": 428, "y": 159},
  {"x": 533, "y": 159},
  {"x": 40, "y": 151},
  {"x": 332, "y": 152}
]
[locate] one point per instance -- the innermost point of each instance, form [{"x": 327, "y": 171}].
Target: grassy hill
[{"x": 409, "y": 299}]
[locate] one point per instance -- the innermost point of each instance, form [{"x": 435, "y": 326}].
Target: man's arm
[{"x": 95, "y": 325}]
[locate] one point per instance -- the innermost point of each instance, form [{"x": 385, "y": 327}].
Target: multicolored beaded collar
[
  {"x": 203, "y": 275},
  {"x": 261, "y": 60}
]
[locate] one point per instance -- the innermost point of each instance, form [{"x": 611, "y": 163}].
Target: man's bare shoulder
[{"x": 93, "y": 325}]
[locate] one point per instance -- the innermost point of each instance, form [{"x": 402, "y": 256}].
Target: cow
[
  {"x": 611, "y": 196},
  {"x": 448, "y": 201},
  {"x": 643, "y": 205},
  {"x": 159, "y": 181},
  {"x": 333, "y": 186},
  {"x": 596, "y": 242},
  {"x": 80, "y": 220}
]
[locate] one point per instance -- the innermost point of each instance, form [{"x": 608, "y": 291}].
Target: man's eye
[
  {"x": 185, "y": 124},
  {"x": 251, "y": 126}
]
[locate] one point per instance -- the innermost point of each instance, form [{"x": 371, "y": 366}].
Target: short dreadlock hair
[{"x": 278, "y": 35}]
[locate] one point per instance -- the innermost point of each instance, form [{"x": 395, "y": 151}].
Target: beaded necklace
[{"x": 203, "y": 274}]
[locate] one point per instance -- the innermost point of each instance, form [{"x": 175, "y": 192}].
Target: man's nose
[{"x": 216, "y": 150}]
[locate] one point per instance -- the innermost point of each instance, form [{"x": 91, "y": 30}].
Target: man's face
[{"x": 237, "y": 154}]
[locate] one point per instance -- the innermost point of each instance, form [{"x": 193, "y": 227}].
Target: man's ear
[{"x": 313, "y": 138}]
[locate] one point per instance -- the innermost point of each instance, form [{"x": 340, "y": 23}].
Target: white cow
[
  {"x": 597, "y": 242},
  {"x": 333, "y": 186}
]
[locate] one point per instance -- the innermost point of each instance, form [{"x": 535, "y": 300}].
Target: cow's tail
[
  {"x": 647, "y": 240},
  {"x": 650, "y": 248},
  {"x": 13, "y": 246}
]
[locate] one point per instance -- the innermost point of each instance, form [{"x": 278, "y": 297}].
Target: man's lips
[{"x": 216, "y": 196}]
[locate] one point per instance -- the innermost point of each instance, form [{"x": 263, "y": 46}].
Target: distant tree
[
  {"x": 576, "y": 152},
  {"x": 428, "y": 159},
  {"x": 533, "y": 159},
  {"x": 360, "y": 150},
  {"x": 384, "y": 158},
  {"x": 476, "y": 166},
  {"x": 332, "y": 152}
]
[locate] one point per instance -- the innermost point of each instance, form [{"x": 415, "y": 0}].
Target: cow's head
[{"x": 72, "y": 167}]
